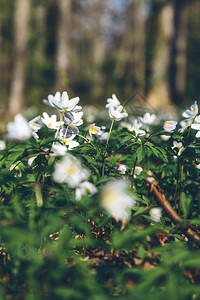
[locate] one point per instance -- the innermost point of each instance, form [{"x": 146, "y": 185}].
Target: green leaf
[
  {"x": 140, "y": 154},
  {"x": 185, "y": 204}
]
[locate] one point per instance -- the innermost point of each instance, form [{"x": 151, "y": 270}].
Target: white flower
[
  {"x": 197, "y": 127},
  {"x": 192, "y": 113},
  {"x": 184, "y": 125},
  {"x": 122, "y": 168},
  {"x": 52, "y": 98},
  {"x": 51, "y": 122},
  {"x": 148, "y": 119},
  {"x": 31, "y": 160},
  {"x": 113, "y": 102},
  {"x": 137, "y": 171},
  {"x": 67, "y": 138},
  {"x": 117, "y": 114},
  {"x": 116, "y": 201},
  {"x": 16, "y": 170},
  {"x": 71, "y": 144},
  {"x": 103, "y": 136},
  {"x": 155, "y": 213},
  {"x": 70, "y": 171},
  {"x": 169, "y": 126},
  {"x": 65, "y": 104},
  {"x": 179, "y": 146},
  {"x": 19, "y": 129},
  {"x": 84, "y": 188},
  {"x": 165, "y": 137},
  {"x": 33, "y": 125},
  {"x": 136, "y": 128},
  {"x": 58, "y": 150},
  {"x": 73, "y": 120},
  {"x": 93, "y": 129},
  {"x": 2, "y": 145}
]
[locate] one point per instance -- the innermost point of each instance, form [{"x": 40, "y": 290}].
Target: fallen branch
[{"x": 160, "y": 197}]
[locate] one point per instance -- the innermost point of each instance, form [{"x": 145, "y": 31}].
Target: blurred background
[{"x": 93, "y": 48}]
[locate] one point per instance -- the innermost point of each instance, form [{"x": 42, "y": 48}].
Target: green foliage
[{"x": 56, "y": 246}]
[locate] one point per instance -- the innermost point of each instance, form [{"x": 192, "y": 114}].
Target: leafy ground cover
[{"x": 100, "y": 211}]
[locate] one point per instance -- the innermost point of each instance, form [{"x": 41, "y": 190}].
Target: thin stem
[
  {"x": 133, "y": 171},
  {"x": 181, "y": 184},
  {"x": 61, "y": 119},
  {"x": 111, "y": 126},
  {"x": 83, "y": 138},
  {"x": 190, "y": 128},
  {"x": 103, "y": 166},
  {"x": 103, "y": 162},
  {"x": 177, "y": 181}
]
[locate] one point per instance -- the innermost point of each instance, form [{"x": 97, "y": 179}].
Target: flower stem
[
  {"x": 111, "y": 126},
  {"x": 177, "y": 181},
  {"x": 133, "y": 171},
  {"x": 61, "y": 119}
]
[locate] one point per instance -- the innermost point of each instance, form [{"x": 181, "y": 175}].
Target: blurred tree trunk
[
  {"x": 63, "y": 49},
  {"x": 179, "y": 51},
  {"x": 131, "y": 55},
  {"x": 22, "y": 16},
  {"x": 98, "y": 48},
  {"x": 159, "y": 95}
]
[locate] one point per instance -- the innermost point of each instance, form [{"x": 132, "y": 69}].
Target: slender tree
[
  {"x": 179, "y": 51},
  {"x": 159, "y": 94},
  {"x": 22, "y": 16},
  {"x": 131, "y": 55},
  {"x": 63, "y": 48}
]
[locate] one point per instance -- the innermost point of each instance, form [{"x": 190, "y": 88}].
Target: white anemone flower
[
  {"x": 51, "y": 122},
  {"x": 197, "y": 126},
  {"x": 66, "y": 104},
  {"x": 136, "y": 128},
  {"x": 85, "y": 188},
  {"x": 137, "y": 171},
  {"x": 148, "y": 119},
  {"x": 34, "y": 125},
  {"x": 117, "y": 113},
  {"x": 184, "y": 124},
  {"x": 155, "y": 213},
  {"x": 116, "y": 201},
  {"x": 51, "y": 98},
  {"x": 69, "y": 170},
  {"x": 93, "y": 129},
  {"x": 16, "y": 170},
  {"x": 2, "y": 145},
  {"x": 67, "y": 138},
  {"x": 122, "y": 168},
  {"x": 192, "y": 112},
  {"x": 178, "y": 145},
  {"x": 31, "y": 160},
  {"x": 19, "y": 129},
  {"x": 73, "y": 120},
  {"x": 103, "y": 136},
  {"x": 70, "y": 143},
  {"x": 169, "y": 126},
  {"x": 58, "y": 150},
  {"x": 113, "y": 102},
  {"x": 165, "y": 137}
]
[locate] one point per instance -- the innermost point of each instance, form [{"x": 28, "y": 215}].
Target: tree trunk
[
  {"x": 131, "y": 55},
  {"x": 22, "y": 15},
  {"x": 98, "y": 49},
  {"x": 179, "y": 52},
  {"x": 159, "y": 95},
  {"x": 63, "y": 50}
]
